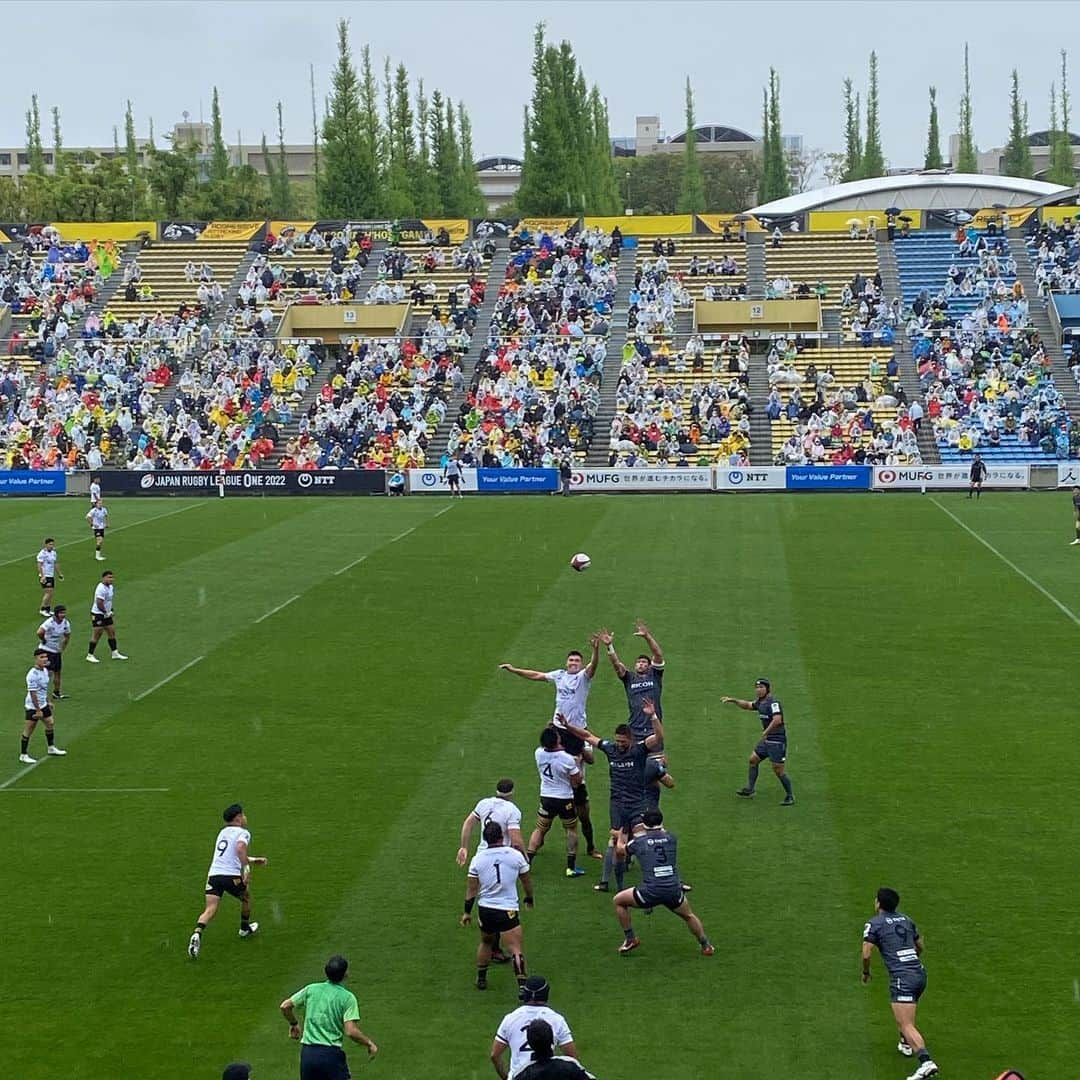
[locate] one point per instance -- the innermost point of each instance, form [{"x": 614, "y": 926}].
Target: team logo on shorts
[{"x": 147, "y": 481}]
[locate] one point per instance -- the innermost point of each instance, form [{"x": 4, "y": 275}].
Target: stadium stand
[
  {"x": 983, "y": 369},
  {"x": 703, "y": 268},
  {"x": 1055, "y": 255}
]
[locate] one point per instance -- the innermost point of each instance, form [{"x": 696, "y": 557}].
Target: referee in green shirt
[{"x": 330, "y": 1014}]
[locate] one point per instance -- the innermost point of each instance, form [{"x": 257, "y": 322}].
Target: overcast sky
[{"x": 166, "y": 57}]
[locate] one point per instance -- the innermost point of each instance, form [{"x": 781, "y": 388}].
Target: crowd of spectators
[
  {"x": 535, "y": 392},
  {"x": 868, "y": 421},
  {"x": 1056, "y": 255}
]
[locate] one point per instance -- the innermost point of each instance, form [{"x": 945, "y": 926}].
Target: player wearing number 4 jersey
[
  {"x": 229, "y": 871},
  {"x": 560, "y": 777},
  {"x": 492, "y": 880},
  {"x": 512, "y": 1034},
  {"x": 572, "y": 685},
  {"x": 897, "y": 938}
]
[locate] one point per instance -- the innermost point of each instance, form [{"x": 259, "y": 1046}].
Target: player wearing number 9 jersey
[
  {"x": 897, "y": 938},
  {"x": 228, "y": 873},
  {"x": 492, "y": 880}
]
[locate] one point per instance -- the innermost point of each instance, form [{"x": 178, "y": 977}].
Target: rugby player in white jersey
[
  {"x": 229, "y": 872},
  {"x": 492, "y": 880},
  {"x": 512, "y": 1033},
  {"x": 55, "y": 634},
  {"x": 101, "y": 618},
  {"x": 500, "y": 808},
  {"x": 48, "y": 569},
  {"x": 572, "y": 686},
  {"x": 95, "y": 491},
  {"x": 98, "y": 516},
  {"x": 38, "y": 708},
  {"x": 560, "y": 777}
]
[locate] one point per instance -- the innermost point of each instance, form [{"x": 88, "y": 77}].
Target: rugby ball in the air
[{"x": 580, "y": 561}]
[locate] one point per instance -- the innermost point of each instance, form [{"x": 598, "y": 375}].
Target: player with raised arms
[{"x": 572, "y": 685}]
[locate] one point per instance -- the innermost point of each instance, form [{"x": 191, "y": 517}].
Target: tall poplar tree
[
  {"x": 967, "y": 160},
  {"x": 933, "y": 159},
  {"x": 692, "y": 191},
  {"x": 347, "y": 179},
  {"x": 1017, "y": 158},
  {"x": 873, "y": 157}
]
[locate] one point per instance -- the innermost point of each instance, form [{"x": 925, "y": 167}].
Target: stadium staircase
[
  {"x": 760, "y": 428},
  {"x": 1040, "y": 319},
  {"x": 909, "y": 380},
  {"x": 232, "y": 290},
  {"x": 597, "y": 456},
  {"x": 496, "y": 275},
  {"x": 111, "y": 287},
  {"x": 755, "y": 266}
]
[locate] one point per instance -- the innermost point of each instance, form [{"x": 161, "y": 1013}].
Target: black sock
[
  {"x": 49, "y": 736},
  {"x": 200, "y": 927},
  {"x": 587, "y": 832},
  {"x": 786, "y": 781},
  {"x": 620, "y": 872},
  {"x": 112, "y": 644},
  {"x": 751, "y": 779},
  {"x": 571, "y": 862},
  {"x": 923, "y": 1054},
  {"x": 93, "y": 646},
  {"x": 24, "y": 743},
  {"x": 628, "y": 933},
  {"x": 245, "y": 924}
]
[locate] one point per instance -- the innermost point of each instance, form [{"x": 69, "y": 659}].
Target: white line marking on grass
[
  {"x": 111, "y": 532},
  {"x": 355, "y": 562},
  {"x": 274, "y": 611},
  {"x": 394, "y": 540},
  {"x": 82, "y": 790},
  {"x": 1008, "y": 562},
  {"x": 168, "y": 678},
  {"x": 19, "y": 775}
]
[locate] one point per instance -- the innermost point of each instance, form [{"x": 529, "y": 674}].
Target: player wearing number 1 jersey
[
  {"x": 229, "y": 870},
  {"x": 492, "y": 880},
  {"x": 897, "y": 938}
]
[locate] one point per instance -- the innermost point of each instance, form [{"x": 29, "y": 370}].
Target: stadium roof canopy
[
  {"x": 716, "y": 133},
  {"x": 916, "y": 191}
]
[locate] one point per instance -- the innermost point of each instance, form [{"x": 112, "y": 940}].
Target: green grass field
[{"x": 930, "y": 694}]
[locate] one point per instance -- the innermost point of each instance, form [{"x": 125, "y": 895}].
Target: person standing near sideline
[
  {"x": 897, "y": 938},
  {"x": 95, "y": 490},
  {"x": 1076, "y": 511},
  {"x": 452, "y": 475},
  {"x": 98, "y": 517},
  {"x": 55, "y": 634},
  {"x": 101, "y": 618},
  {"x": 48, "y": 568},
  {"x": 977, "y": 475},
  {"x": 330, "y": 1016},
  {"x": 38, "y": 708}
]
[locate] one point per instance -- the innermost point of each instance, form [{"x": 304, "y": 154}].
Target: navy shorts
[
  {"x": 323, "y": 1063},
  {"x": 650, "y": 897},
  {"x": 625, "y": 818},
  {"x": 56, "y": 662},
  {"x": 907, "y": 988},
  {"x": 775, "y": 751}
]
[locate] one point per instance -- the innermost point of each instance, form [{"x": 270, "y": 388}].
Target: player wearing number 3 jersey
[
  {"x": 228, "y": 873},
  {"x": 492, "y": 880}
]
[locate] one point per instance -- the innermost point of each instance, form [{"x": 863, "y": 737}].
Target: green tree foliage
[
  {"x": 853, "y": 149},
  {"x": 35, "y": 156},
  {"x": 966, "y": 157},
  {"x": 933, "y": 158},
  {"x": 346, "y": 182},
  {"x": 692, "y": 189},
  {"x": 562, "y": 136},
  {"x": 730, "y": 182},
  {"x": 1017, "y": 158},
  {"x": 219, "y": 154},
  {"x": 425, "y": 190},
  {"x": 281, "y": 196},
  {"x": 473, "y": 203},
  {"x": 172, "y": 176},
  {"x": 873, "y": 157},
  {"x": 1061, "y": 169},
  {"x": 775, "y": 181},
  {"x": 58, "y": 144}
]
